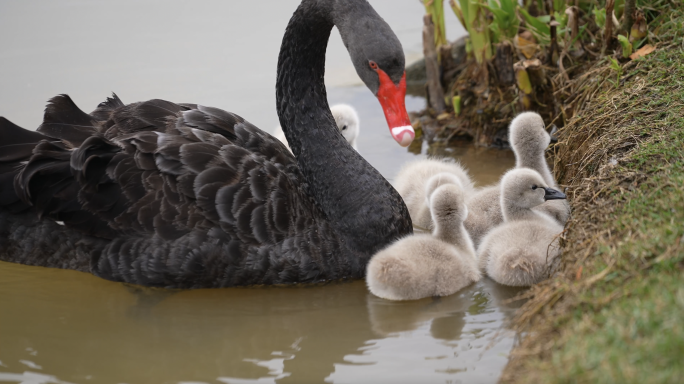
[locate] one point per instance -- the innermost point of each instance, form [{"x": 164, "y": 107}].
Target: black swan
[{"x": 187, "y": 196}]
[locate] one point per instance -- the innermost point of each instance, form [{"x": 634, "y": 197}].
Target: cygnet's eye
[
  {"x": 534, "y": 187},
  {"x": 344, "y": 128}
]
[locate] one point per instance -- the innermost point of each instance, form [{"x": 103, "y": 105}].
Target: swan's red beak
[{"x": 392, "y": 100}]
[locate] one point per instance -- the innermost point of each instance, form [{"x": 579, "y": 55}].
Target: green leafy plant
[
  {"x": 559, "y": 5},
  {"x": 472, "y": 15},
  {"x": 539, "y": 26},
  {"x": 505, "y": 24},
  {"x": 600, "y": 16},
  {"x": 456, "y": 103},
  {"x": 615, "y": 65},
  {"x": 435, "y": 8},
  {"x": 626, "y": 45}
]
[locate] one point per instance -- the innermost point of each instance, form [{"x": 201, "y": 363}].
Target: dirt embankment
[{"x": 614, "y": 311}]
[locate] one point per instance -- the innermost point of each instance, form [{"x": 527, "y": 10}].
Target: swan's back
[{"x": 179, "y": 195}]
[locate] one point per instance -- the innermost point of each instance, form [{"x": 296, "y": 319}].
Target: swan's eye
[
  {"x": 534, "y": 187},
  {"x": 344, "y": 128},
  {"x": 373, "y": 64}
]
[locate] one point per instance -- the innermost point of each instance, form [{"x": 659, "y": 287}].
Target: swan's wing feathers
[
  {"x": 151, "y": 115},
  {"x": 210, "y": 120},
  {"x": 16, "y": 146},
  {"x": 196, "y": 156},
  {"x": 11, "y": 134},
  {"x": 49, "y": 159},
  {"x": 189, "y": 195},
  {"x": 48, "y": 184},
  {"x": 211, "y": 168},
  {"x": 63, "y": 120},
  {"x": 105, "y": 109}
]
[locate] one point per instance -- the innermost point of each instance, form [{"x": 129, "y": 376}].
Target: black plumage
[{"x": 182, "y": 195}]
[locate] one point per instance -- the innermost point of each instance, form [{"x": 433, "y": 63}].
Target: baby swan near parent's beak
[
  {"x": 520, "y": 251},
  {"x": 346, "y": 119},
  {"x": 425, "y": 265}
]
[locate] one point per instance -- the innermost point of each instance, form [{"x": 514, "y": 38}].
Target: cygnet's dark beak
[{"x": 552, "y": 194}]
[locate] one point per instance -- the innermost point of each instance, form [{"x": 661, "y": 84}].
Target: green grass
[
  {"x": 627, "y": 324},
  {"x": 637, "y": 339}
]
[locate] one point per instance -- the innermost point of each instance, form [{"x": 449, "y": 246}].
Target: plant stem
[
  {"x": 608, "y": 32},
  {"x": 435, "y": 8},
  {"x": 434, "y": 86},
  {"x": 628, "y": 17}
]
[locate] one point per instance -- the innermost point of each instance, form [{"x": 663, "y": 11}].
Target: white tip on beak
[{"x": 403, "y": 135}]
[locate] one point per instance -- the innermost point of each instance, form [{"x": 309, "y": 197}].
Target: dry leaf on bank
[{"x": 643, "y": 51}]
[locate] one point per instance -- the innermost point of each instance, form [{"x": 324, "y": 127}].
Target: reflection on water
[
  {"x": 75, "y": 327},
  {"x": 485, "y": 165}
]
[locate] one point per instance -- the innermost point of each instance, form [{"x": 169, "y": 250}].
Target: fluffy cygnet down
[
  {"x": 520, "y": 251},
  {"x": 347, "y": 121},
  {"x": 416, "y": 180},
  {"x": 529, "y": 141},
  {"x": 425, "y": 265}
]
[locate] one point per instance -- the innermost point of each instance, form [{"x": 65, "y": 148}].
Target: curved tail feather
[
  {"x": 16, "y": 147},
  {"x": 65, "y": 121}
]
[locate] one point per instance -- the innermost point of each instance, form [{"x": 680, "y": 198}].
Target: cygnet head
[
  {"x": 525, "y": 188},
  {"x": 347, "y": 121},
  {"x": 437, "y": 181},
  {"x": 527, "y": 134},
  {"x": 447, "y": 205}
]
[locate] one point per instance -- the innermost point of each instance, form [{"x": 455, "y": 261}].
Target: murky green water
[
  {"x": 61, "y": 326},
  {"x": 77, "y": 328}
]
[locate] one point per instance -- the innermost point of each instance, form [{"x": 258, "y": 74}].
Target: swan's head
[
  {"x": 437, "y": 181},
  {"x": 526, "y": 188},
  {"x": 347, "y": 122},
  {"x": 379, "y": 61},
  {"x": 527, "y": 134},
  {"x": 448, "y": 206}
]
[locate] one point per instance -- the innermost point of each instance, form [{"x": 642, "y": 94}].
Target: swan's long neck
[
  {"x": 355, "y": 198},
  {"x": 454, "y": 234},
  {"x": 512, "y": 211},
  {"x": 537, "y": 161}
]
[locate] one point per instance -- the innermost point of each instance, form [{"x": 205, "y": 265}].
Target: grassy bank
[{"x": 614, "y": 311}]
